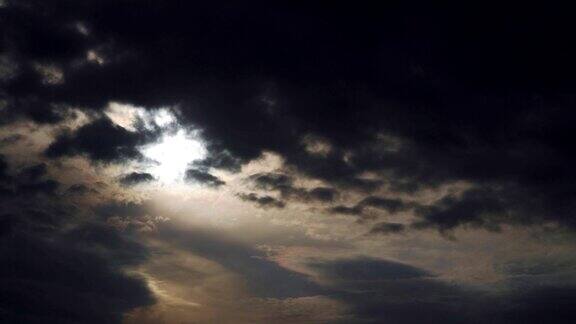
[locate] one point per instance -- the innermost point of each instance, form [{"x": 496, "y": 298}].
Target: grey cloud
[
  {"x": 262, "y": 201},
  {"x": 283, "y": 184},
  {"x": 387, "y": 228},
  {"x": 63, "y": 281},
  {"x": 62, "y": 264},
  {"x": 135, "y": 178},
  {"x": 390, "y": 205},
  {"x": 380, "y": 290},
  {"x": 355, "y": 210},
  {"x": 79, "y": 189},
  {"x": 499, "y": 121},
  {"x": 203, "y": 177},
  {"x": 101, "y": 141}
]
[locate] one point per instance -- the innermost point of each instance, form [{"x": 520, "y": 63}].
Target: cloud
[
  {"x": 59, "y": 279},
  {"x": 482, "y": 207},
  {"x": 367, "y": 269},
  {"x": 100, "y": 141},
  {"x": 130, "y": 216},
  {"x": 412, "y": 120},
  {"x": 271, "y": 181},
  {"x": 60, "y": 262},
  {"x": 29, "y": 181},
  {"x": 396, "y": 102},
  {"x": 283, "y": 184},
  {"x": 3, "y": 168},
  {"x": 262, "y": 201},
  {"x": 323, "y": 194},
  {"x": 391, "y": 206},
  {"x": 549, "y": 304},
  {"x": 11, "y": 139},
  {"x": 135, "y": 178},
  {"x": 79, "y": 189},
  {"x": 381, "y": 290},
  {"x": 387, "y": 228},
  {"x": 203, "y": 177},
  {"x": 345, "y": 210}
]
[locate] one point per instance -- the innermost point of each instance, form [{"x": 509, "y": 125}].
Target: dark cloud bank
[
  {"x": 56, "y": 267},
  {"x": 421, "y": 97},
  {"x": 390, "y": 292}
]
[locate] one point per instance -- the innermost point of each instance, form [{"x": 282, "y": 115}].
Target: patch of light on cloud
[
  {"x": 128, "y": 116},
  {"x": 122, "y": 115}
]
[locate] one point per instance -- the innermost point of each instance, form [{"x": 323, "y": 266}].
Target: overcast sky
[{"x": 286, "y": 162}]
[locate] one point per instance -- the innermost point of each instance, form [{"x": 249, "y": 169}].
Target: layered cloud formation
[{"x": 343, "y": 149}]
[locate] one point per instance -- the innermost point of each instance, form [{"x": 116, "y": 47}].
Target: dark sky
[{"x": 286, "y": 162}]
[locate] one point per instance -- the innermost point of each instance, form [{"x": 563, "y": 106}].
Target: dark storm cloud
[
  {"x": 380, "y": 290},
  {"x": 3, "y": 168},
  {"x": 33, "y": 173},
  {"x": 459, "y": 100},
  {"x": 387, "y": 228},
  {"x": 389, "y": 205},
  {"x": 203, "y": 177},
  {"x": 45, "y": 187},
  {"x": 323, "y": 194},
  {"x": 100, "y": 141},
  {"x": 416, "y": 97},
  {"x": 56, "y": 279},
  {"x": 262, "y": 201},
  {"x": 30, "y": 181},
  {"x": 134, "y": 178},
  {"x": 367, "y": 269},
  {"x": 60, "y": 267},
  {"x": 221, "y": 160},
  {"x": 283, "y": 184},
  {"x": 546, "y": 304},
  {"x": 385, "y": 291},
  {"x": 486, "y": 208},
  {"x": 79, "y": 189},
  {"x": 344, "y": 210},
  {"x": 271, "y": 181},
  {"x": 57, "y": 265}
]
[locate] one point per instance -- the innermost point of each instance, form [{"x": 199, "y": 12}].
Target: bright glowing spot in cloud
[
  {"x": 173, "y": 153},
  {"x": 176, "y": 148}
]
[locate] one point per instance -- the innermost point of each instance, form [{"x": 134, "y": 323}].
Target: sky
[{"x": 286, "y": 162}]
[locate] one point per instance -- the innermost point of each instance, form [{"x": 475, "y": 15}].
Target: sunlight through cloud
[{"x": 172, "y": 154}]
